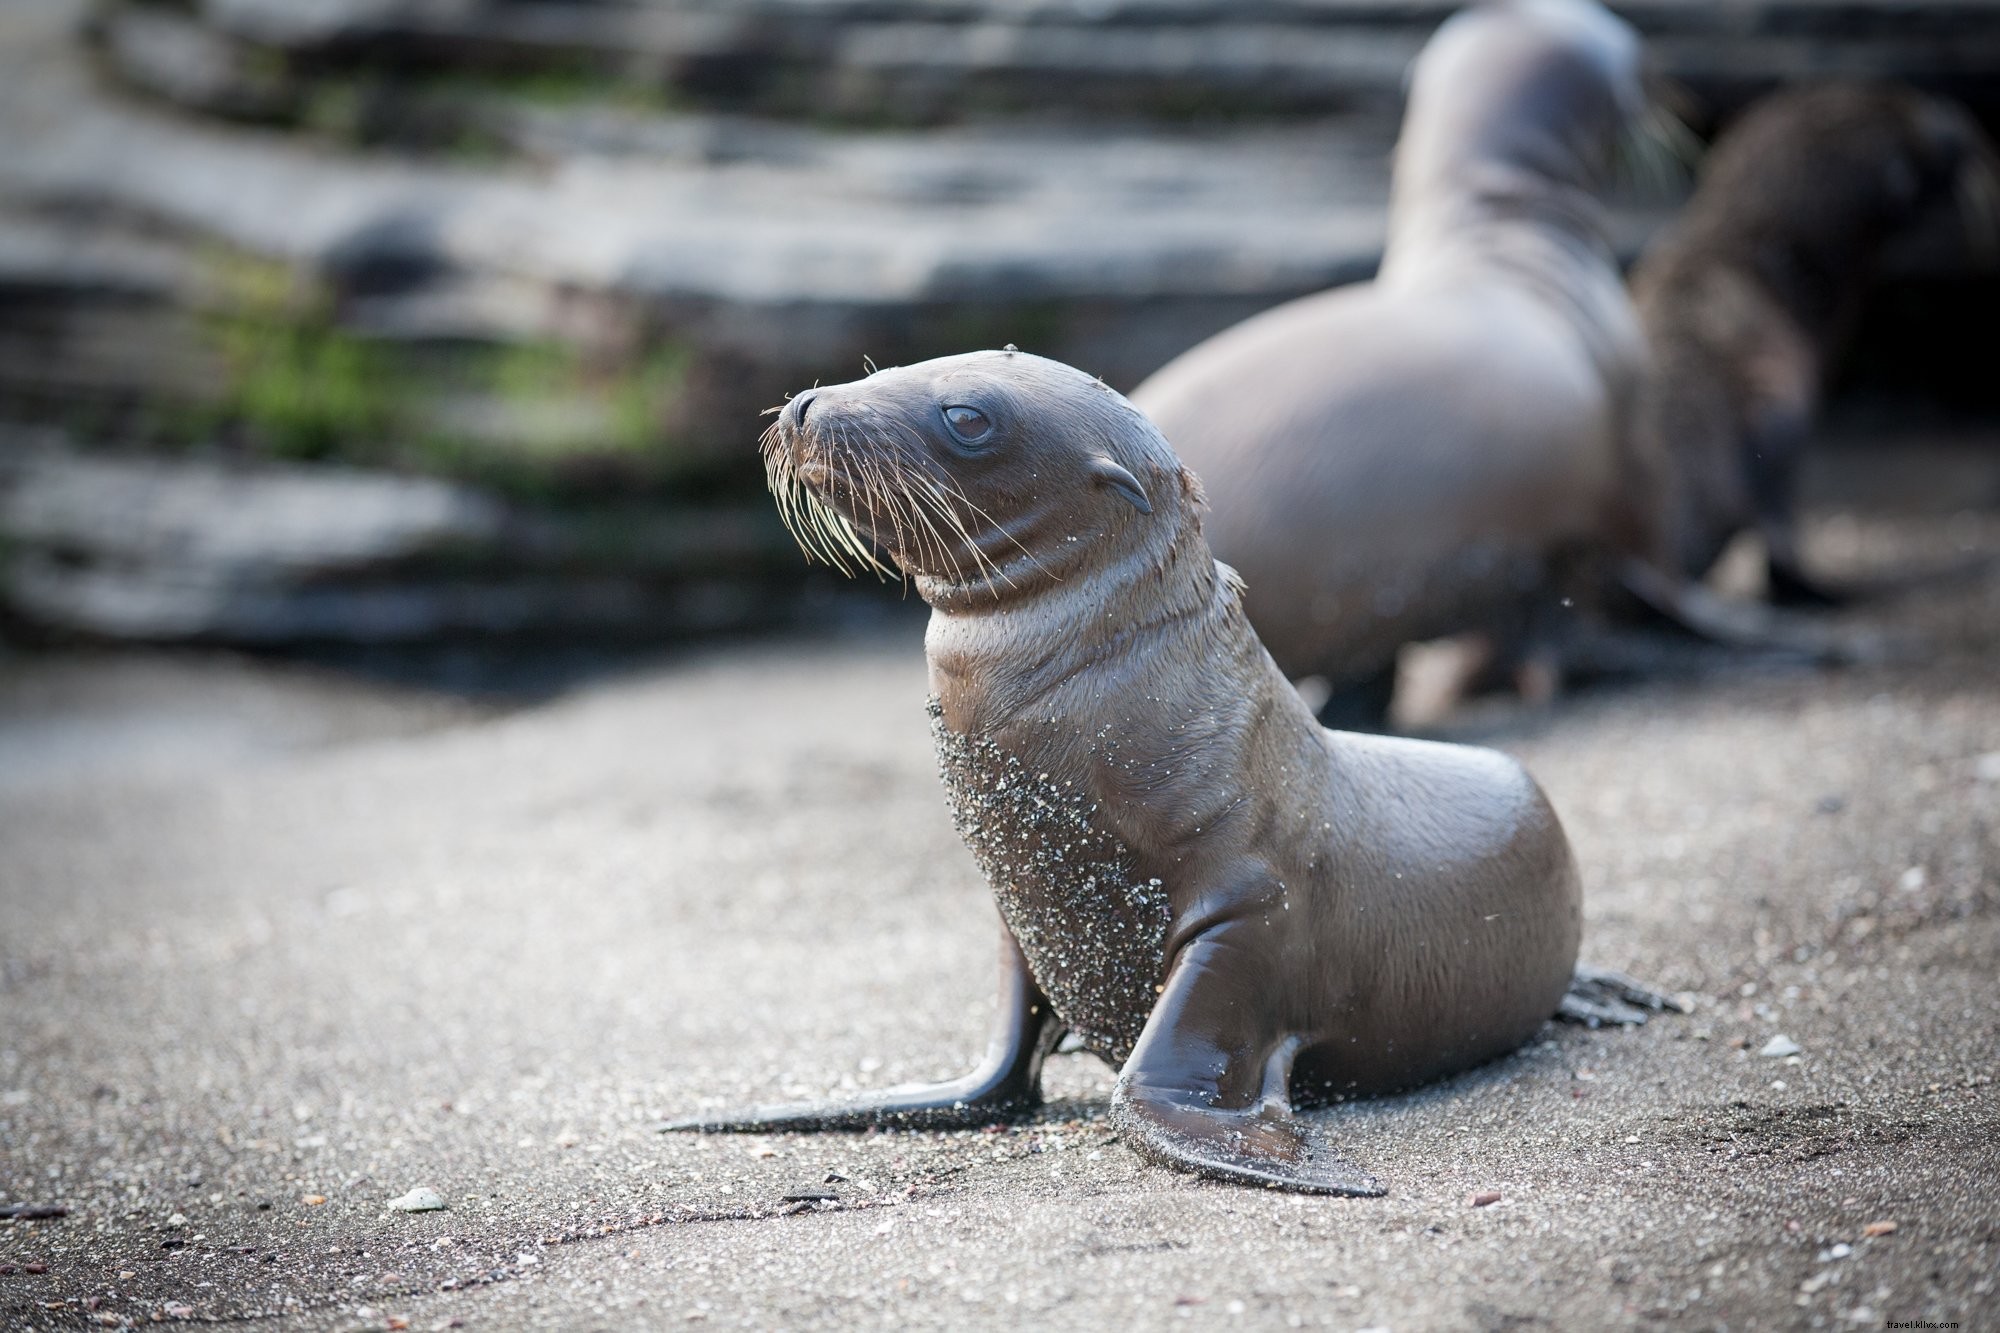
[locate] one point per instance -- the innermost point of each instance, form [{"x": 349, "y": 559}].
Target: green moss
[
  {"x": 526, "y": 371},
  {"x": 333, "y": 107},
  {"x": 310, "y": 389},
  {"x": 644, "y": 397},
  {"x": 576, "y": 85},
  {"x": 301, "y": 385},
  {"x": 534, "y": 418}
]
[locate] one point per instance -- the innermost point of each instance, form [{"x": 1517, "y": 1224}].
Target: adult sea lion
[
  {"x": 1418, "y": 455},
  {"x": 1748, "y": 296},
  {"x": 1241, "y": 911}
]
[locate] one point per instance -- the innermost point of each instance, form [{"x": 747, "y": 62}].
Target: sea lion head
[
  {"x": 1549, "y": 87},
  {"x": 993, "y": 473},
  {"x": 1848, "y": 165}
]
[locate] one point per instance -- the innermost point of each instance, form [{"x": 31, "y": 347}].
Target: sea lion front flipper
[
  {"x": 1598, "y": 996},
  {"x": 1007, "y": 1084},
  {"x": 1205, "y": 1090}
]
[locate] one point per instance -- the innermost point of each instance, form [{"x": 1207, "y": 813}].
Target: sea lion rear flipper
[
  {"x": 1205, "y": 1090},
  {"x": 1598, "y": 996},
  {"x": 1747, "y": 625},
  {"x": 1007, "y": 1084}
]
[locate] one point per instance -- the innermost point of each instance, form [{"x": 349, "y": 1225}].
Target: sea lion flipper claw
[{"x": 1598, "y": 995}]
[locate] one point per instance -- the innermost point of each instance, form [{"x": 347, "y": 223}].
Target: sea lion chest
[{"x": 1093, "y": 930}]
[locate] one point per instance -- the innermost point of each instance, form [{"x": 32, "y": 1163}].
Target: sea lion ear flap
[{"x": 1107, "y": 473}]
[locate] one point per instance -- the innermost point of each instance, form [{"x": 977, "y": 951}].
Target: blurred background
[{"x": 431, "y": 338}]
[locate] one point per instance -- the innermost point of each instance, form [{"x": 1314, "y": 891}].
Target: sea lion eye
[{"x": 968, "y": 423}]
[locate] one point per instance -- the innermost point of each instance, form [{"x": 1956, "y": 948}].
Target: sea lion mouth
[
  {"x": 853, "y": 495},
  {"x": 808, "y": 487}
]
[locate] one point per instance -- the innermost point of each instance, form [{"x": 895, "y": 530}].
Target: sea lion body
[
  {"x": 1415, "y": 904},
  {"x": 1748, "y": 296},
  {"x": 1239, "y": 909},
  {"x": 1409, "y": 457},
  {"x": 1399, "y": 529}
]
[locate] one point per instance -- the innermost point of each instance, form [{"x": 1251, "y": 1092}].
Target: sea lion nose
[{"x": 796, "y": 410}]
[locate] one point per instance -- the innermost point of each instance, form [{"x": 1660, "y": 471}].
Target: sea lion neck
[
  {"x": 1543, "y": 239},
  {"x": 993, "y": 657},
  {"x": 1515, "y": 113},
  {"x": 1493, "y": 212}
]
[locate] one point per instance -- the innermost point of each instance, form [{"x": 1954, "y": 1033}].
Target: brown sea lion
[
  {"x": 1240, "y": 910},
  {"x": 1415, "y": 456},
  {"x": 1749, "y": 295}
]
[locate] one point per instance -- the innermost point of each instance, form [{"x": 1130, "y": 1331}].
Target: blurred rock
[
  {"x": 924, "y": 60},
  {"x": 567, "y": 253},
  {"x": 702, "y": 265},
  {"x": 200, "y": 550},
  {"x": 175, "y": 56},
  {"x": 227, "y": 519}
]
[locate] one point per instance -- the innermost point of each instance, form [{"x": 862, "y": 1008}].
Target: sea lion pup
[
  {"x": 1239, "y": 910},
  {"x": 1412, "y": 457},
  {"x": 1748, "y": 296}
]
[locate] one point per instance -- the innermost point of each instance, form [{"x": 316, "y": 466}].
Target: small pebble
[
  {"x": 1879, "y": 1229},
  {"x": 314, "y": 1200},
  {"x": 422, "y": 1199},
  {"x": 1778, "y": 1047},
  {"x": 1483, "y": 1198}
]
